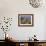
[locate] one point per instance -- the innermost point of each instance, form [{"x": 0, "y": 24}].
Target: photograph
[{"x": 25, "y": 19}]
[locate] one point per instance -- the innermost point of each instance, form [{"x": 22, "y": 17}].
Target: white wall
[{"x": 11, "y": 8}]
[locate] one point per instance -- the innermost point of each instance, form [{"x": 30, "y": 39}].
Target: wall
[{"x": 11, "y": 8}]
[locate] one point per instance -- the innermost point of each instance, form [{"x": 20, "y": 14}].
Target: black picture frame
[{"x": 26, "y": 20}]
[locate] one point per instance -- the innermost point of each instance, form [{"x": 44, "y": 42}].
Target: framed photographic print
[{"x": 25, "y": 20}]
